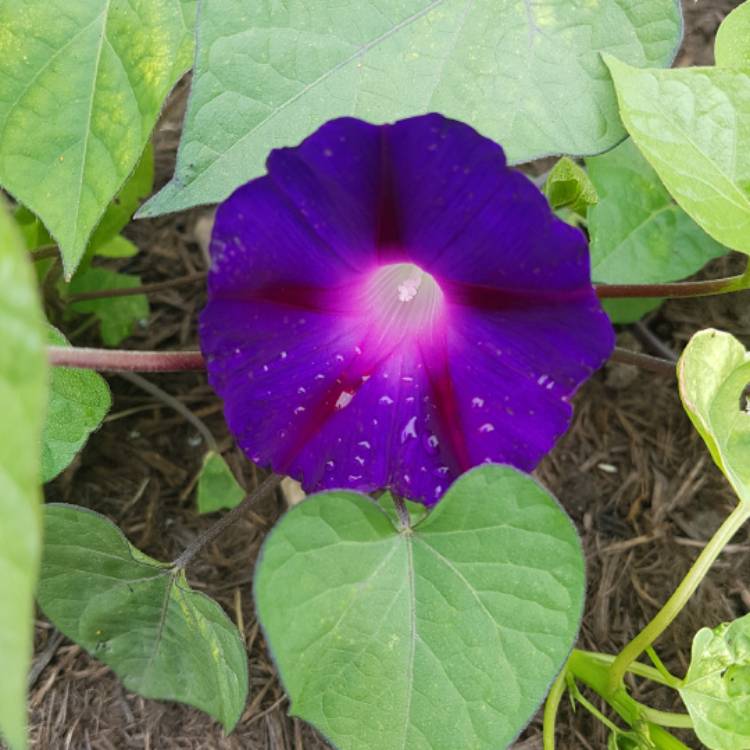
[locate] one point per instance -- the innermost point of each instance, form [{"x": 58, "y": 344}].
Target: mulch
[{"x": 631, "y": 471}]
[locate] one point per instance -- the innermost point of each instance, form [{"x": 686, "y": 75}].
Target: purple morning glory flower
[{"x": 392, "y": 305}]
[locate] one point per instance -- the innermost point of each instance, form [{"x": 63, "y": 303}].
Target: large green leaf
[
  {"x": 23, "y": 397},
  {"x": 714, "y": 375},
  {"x": 528, "y": 75},
  {"x": 692, "y": 126},
  {"x": 78, "y": 401},
  {"x": 716, "y": 689},
  {"x": 638, "y": 234},
  {"x": 81, "y": 85},
  {"x": 117, "y": 315},
  {"x": 439, "y": 637},
  {"x": 139, "y": 616},
  {"x": 732, "y": 47}
]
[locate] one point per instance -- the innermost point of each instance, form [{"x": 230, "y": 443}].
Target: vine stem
[
  {"x": 594, "y": 672},
  {"x": 551, "y": 705},
  {"x": 157, "y": 286},
  {"x": 644, "y": 361},
  {"x": 268, "y": 484},
  {"x": 680, "y": 597},
  {"x": 675, "y": 290},
  {"x": 122, "y": 360},
  {"x": 178, "y": 406}
]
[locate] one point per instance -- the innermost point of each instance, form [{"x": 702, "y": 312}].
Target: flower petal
[{"x": 392, "y": 305}]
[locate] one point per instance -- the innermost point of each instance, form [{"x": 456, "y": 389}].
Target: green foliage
[
  {"x": 117, "y": 247},
  {"x": 441, "y": 637},
  {"x": 117, "y": 315},
  {"x": 714, "y": 374},
  {"x": 78, "y": 402},
  {"x": 105, "y": 241},
  {"x": 716, "y": 689},
  {"x": 139, "y": 616},
  {"x": 81, "y": 85},
  {"x": 690, "y": 123},
  {"x": 217, "y": 487},
  {"x": 23, "y": 395},
  {"x": 638, "y": 235},
  {"x": 568, "y": 186},
  {"x": 732, "y": 46},
  {"x": 528, "y": 75}
]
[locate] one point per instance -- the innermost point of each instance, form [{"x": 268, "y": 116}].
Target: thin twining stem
[
  {"x": 674, "y": 605},
  {"x": 142, "y": 289},
  {"x": 675, "y": 290},
  {"x": 178, "y": 406},
  {"x": 269, "y": 484},
  {"x": 123, "y": 360},
  {"x": 644, "y": 361}
]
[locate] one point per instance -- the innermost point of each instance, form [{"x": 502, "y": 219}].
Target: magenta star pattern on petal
[{"x": 392, "y": 305}]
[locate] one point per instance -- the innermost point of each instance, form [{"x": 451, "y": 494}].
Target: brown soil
[{"x": 631, "y": 471}]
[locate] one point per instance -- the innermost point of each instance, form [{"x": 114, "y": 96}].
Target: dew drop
[
  {"x": 299, "y": 410},
  {"x": 283, "y": 355},
  {"x": 409, "y": 430},
  {"x": 364, "y": 444},
  {"x": 344, "y": 399},
  {"x": 301, "y": 390},
  {"x": 477, "y": 402},
  {"x": 330, "y": 464},
  {"x": 385, "y": 400},
  {"x": 487, "y": 427},
  {"x": 432, "y": 441},
  {"x": 360, "y": 460}
]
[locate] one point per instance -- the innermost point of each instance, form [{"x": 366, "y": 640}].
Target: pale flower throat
[{"x": 403, "y": 300}]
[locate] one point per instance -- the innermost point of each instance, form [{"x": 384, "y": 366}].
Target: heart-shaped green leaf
[
  {"x": 139, "y": 616},
  {"x": 23, "y": 398},
  {"x": 732, "y": 47},
  {"x": 439, "y": 637},
  {"x": 82, "y": 83},
  {"x": 716, "y": 689},
  {"x": 714, "y": 379},
  {"x": 529, "y": 75},
  {"x": 691, "y": 125},
  {"x": 78, "y": 401}
]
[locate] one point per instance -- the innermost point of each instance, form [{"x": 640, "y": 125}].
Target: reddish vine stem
[
  {"x": 675, "y": 290},
  {"x": 122, "y": 360},
  {"x": 157, "y": 286}
]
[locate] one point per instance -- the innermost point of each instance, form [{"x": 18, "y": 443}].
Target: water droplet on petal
[
  {"x": 344, "y": 399},
  {"x": 409, "y": 430},
  {"x": 487, "y": 427},
  {"x": 385, "y": 400},
  {"x": 477, "y": 402}
]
